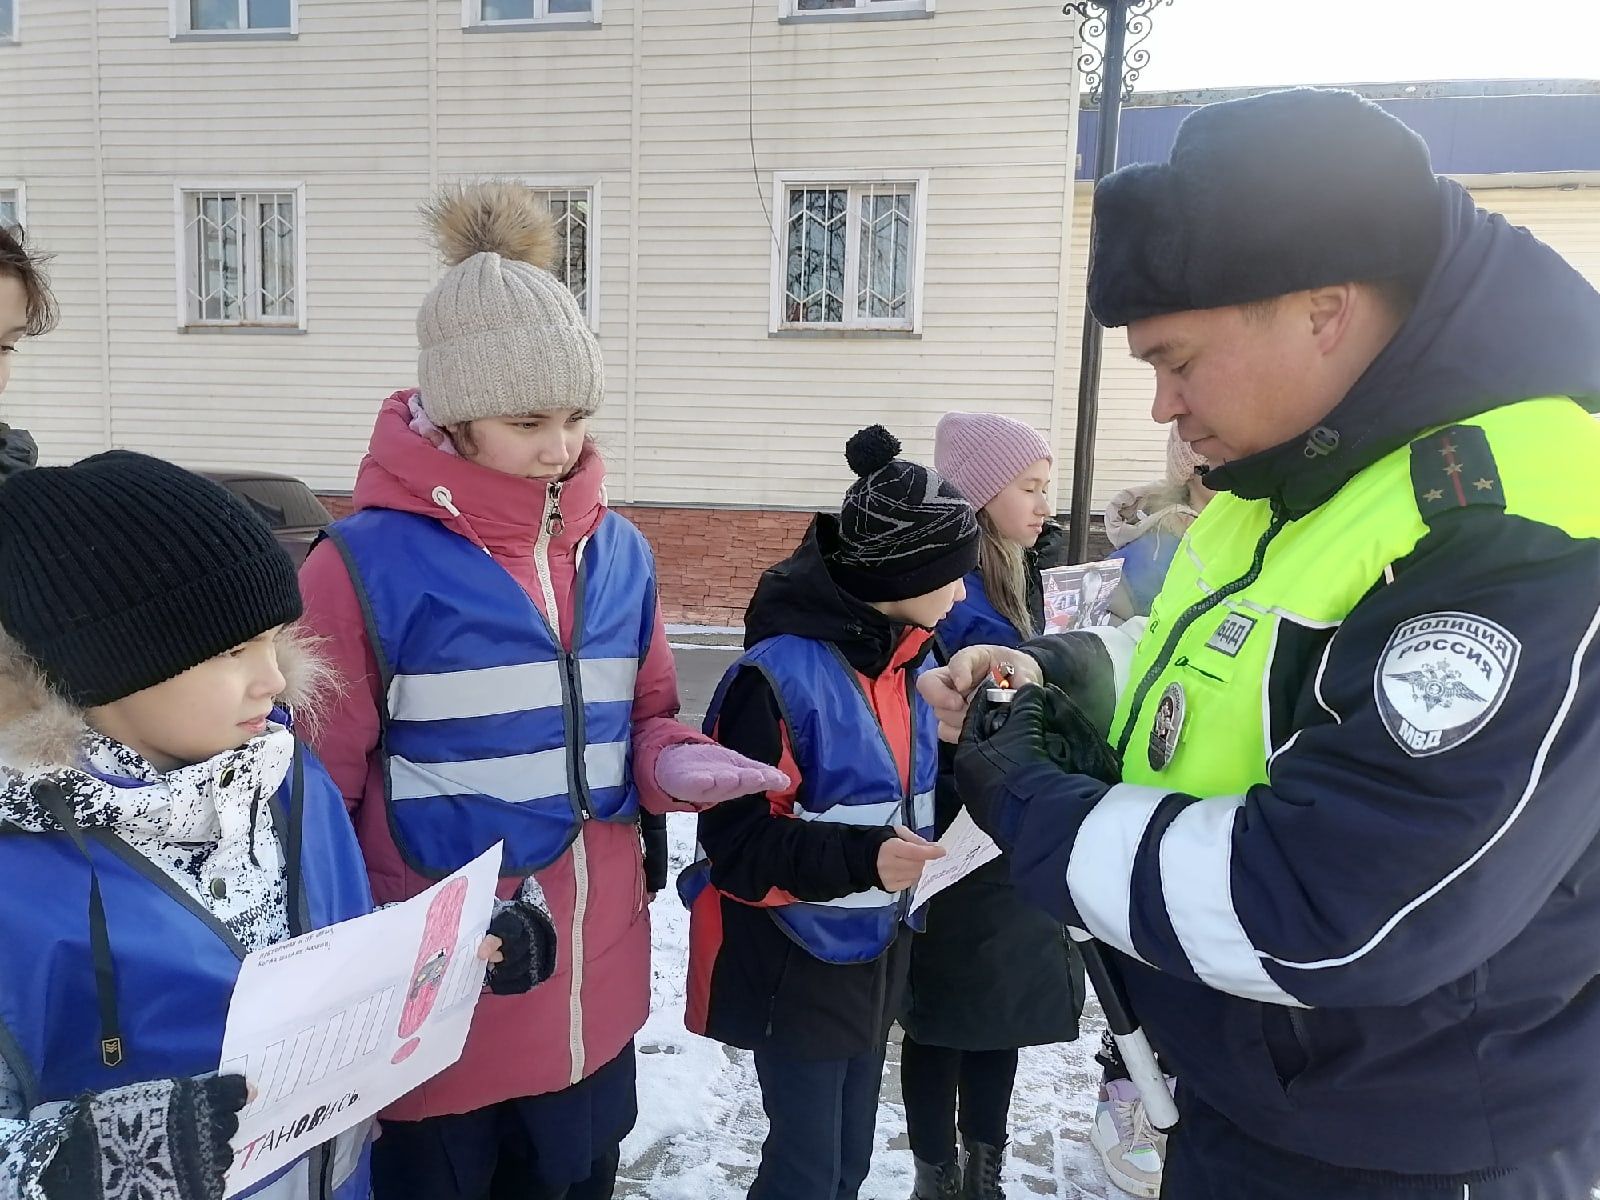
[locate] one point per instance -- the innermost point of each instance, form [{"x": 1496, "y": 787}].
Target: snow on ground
[{"x": 701, "y": 1125}]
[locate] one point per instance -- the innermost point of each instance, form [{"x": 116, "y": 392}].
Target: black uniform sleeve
[{"x": 753, "y": 851}]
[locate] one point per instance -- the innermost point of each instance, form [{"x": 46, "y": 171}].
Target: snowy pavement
[{"x": 701, "y": 1126}]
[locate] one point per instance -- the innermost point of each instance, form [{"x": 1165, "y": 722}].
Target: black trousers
[
  {"x": 933, "y": 1078},
  {"x": 1210, "y": 1158},
  {"x": 822, "y": 1117},
  {"x": 560, "y": 1146}
]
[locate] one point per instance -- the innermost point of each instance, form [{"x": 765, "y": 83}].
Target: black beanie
[
  {"x": 903, "y": 531},
  {"x": 1261, "y": 197},
  {"x": 124, "y": 571}
]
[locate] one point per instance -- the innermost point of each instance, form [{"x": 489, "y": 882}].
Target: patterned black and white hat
[{"x": 903, "y": 530}]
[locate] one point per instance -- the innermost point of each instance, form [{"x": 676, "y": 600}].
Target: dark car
[{"x": 283, "y": 502}]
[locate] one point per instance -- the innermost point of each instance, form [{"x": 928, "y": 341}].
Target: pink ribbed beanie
[{"x": 982, "y": 452}]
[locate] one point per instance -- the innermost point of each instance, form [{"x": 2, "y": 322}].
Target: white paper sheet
[
  {"x": 335, "y": 1025},
  {"x": 966, "y": 848}
]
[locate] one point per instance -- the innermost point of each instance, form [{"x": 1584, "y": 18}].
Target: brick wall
[{"x": 708, "y": 559}]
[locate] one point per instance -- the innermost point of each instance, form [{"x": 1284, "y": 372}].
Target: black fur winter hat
[{"x": 1264, "y": 196}]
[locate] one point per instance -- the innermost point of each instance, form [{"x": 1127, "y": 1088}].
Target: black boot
[
  {"x": 936, "y": 1182},
  {"x": 980, "y": 1173}
]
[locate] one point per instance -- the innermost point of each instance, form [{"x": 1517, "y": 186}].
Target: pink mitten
[{"x": 704, "y": 775}]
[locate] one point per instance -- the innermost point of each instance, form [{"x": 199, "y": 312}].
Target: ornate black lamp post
[{"x": 1110, "y": 62}]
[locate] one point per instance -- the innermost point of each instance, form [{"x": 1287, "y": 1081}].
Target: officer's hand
[
  {"x": 949, "y": 689},
  {"x": 1043, "y": 726},
  {"x": 982, "y": 763},
  {"x": 902, "y": 857}
]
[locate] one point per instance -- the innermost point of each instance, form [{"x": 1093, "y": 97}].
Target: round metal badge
[{"x": 1168, "y": 727}]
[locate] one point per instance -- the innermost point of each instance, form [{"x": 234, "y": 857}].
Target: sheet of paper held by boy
[
  {"x": 331, "y": 1027},
  {"x": 966, "y": 848}
]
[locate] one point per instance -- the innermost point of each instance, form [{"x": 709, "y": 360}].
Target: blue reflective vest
[
  {"x": 849, "y": 776},
  {"x": 975, "y": 621},
  {"x": 491, "y": 729},
  {"x": 175, "y": 963}
]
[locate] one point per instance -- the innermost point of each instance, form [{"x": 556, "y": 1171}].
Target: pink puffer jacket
[{"x": 569, "y": 1027}]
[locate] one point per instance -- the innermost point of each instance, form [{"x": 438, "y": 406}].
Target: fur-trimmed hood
[{"x": 40, "y": 729}]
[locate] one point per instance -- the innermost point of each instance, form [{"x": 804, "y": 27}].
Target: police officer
[{"x": 1351, "y": 862}]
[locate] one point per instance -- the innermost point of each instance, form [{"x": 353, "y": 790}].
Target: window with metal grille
[
  {"x": 505, "y": 12},
  {"x": 849, "y": 256},
  {"x": 235, "y": 16},
  {"x": 572, "y": 209},
  {"x": 800, "y": 8},
  {"x": 11, "y": 214},
  {"x": 242, "y": 257}
]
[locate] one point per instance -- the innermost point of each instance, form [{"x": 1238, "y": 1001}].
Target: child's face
[
  {"x": 13, "y": 320},
  {"x": 926, "y": 610},
  {"x": 209, "y": 709},
  {"x": 543, "y": 446},
  {"x": 1019, "y": 511}
]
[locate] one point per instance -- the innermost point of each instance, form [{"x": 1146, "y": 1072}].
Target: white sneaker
[{"x": 1130, "y": 1148}]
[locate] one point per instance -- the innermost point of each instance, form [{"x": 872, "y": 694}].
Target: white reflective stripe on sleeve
[
  {"x": 1119, "y": 642},
  {"x": 1197, "y": 888},
  {"x": 1100, "y": 870},
  {"x": 608, "y": 680},
  {"x": 605, "y": 765},
  {"x": 486, "y": 692},
  {"x": 922, "y": 810},
  {"x": 868, "y": 816},
  {"x": 871, "y": 898}
]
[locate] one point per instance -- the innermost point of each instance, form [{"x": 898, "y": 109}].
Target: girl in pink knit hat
[{"x": 991, "y": 974}]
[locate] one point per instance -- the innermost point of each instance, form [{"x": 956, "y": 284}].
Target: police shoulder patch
[{"x": 1441, "y": 678}]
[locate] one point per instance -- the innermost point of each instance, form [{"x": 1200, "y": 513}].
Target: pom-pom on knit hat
[
  {"x": 499, "y": 335},
  {"x": 903, "y": 530}
]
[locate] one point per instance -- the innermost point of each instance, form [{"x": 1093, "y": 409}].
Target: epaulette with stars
[{"x": 1453, "y": 469}]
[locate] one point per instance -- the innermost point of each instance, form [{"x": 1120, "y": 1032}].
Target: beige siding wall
[
  {"x": 978, "y": 98},
  {"x": 379, "y": 99},
  {"x": 47, "y": 143}
]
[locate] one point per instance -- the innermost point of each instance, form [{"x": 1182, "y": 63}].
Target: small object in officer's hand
[{"x": 999, "y": 696}]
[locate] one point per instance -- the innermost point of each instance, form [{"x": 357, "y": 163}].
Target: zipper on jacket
[
  {"x": 1193, "y": 613},
  {"x": 580, "y": 911}
]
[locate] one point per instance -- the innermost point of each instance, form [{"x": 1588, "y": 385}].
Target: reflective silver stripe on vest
[
  {"x": 874, "y": 816},
  {"x": 518, "y": 778},
  {"x": 493, "y": 691},
  {"x": 871, "y": 898}
]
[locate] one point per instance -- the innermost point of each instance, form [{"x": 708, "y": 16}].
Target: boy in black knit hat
[
  {"x": 799, "y": 943},
  {"x": 158, "y": 820}
]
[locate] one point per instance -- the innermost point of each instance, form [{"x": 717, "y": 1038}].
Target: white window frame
[
  {"x": 865, "y": 10},
  {"x": 178, "y": 13},
  {"x": 781, "y": 183},
  {"x": 184, "y": 252},
  {"x": 472, "y": 19},
  {"x": 12, "y": 36},
  {"x": 21, "y": 189},
  {"x": 546, "y": 183}
]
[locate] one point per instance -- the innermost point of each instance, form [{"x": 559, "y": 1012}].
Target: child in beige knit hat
[{"x": 508, "y": 680}]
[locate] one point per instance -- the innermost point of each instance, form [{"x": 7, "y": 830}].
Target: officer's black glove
[{"x": 1042, "y": 726}]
